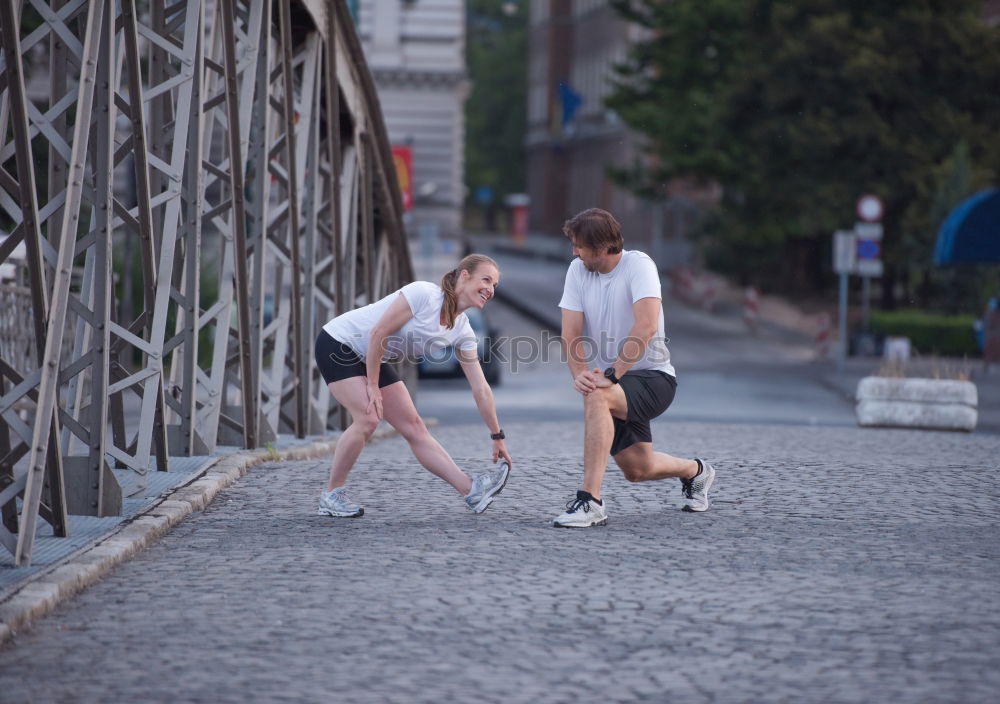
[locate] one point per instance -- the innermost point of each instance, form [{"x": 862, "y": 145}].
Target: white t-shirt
[
  {"x": 422, "y": 334},
  {"x": 606, "y": 302}
]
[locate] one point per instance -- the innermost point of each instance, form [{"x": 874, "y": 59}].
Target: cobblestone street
[{"x": 835, "y": 565}]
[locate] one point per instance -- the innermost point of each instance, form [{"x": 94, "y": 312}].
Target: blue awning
[{"x": 971, "y": 232}]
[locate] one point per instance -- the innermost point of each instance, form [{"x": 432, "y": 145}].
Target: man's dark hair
[{"x": 595, "y": 229}]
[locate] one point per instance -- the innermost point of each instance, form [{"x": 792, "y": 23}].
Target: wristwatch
[
  {"x": 498, "y": 436},
  {"x": 609, "y": 374}
]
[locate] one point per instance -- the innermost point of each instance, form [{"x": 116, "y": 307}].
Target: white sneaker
[
  {"x": 582, "y": 512},
  {"x": 695, "y": 490},
  {"x": 485, "y": 487},
  {"x": 338, "y": 503}
]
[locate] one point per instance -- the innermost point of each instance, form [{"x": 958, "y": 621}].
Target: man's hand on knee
[{"x": 586, "y": 382}]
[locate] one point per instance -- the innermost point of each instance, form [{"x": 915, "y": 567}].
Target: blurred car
[{"x": 445, "y": 363}]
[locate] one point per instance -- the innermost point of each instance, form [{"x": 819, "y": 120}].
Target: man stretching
[{"x": 611, "y": 313}]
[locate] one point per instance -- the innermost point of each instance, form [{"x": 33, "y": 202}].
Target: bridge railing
[{"x": 191, "y": 189}]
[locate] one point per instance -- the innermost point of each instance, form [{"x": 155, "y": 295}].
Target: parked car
[{"x": 445, "y": 363}]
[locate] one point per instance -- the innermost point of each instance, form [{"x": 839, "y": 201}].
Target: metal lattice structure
[{"x": 196, "y": 187}]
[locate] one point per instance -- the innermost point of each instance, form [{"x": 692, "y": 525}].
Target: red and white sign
[
  {"x": 402, "y": 158},
  {"x": 870, "y": 208}
]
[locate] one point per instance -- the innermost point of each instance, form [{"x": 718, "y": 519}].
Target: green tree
[
  {"x": 496, "y": 58},
  {"x": 798, "y": 107}
]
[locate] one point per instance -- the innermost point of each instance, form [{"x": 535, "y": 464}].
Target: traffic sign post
[
  {"x": 859, "y": 252},
  {"x": 844, "y": 262}
]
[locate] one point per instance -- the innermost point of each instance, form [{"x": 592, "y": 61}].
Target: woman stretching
[{"x": 418, "y": 319}]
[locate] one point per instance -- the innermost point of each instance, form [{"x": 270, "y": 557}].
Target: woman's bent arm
[
  {"x": 395, "y": 317},
  {"x": 483, "y": 395}
]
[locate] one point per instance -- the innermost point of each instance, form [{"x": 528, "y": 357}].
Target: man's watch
[
  {"x": 498, "y": 436},
  {"x": 610, "y": 375}
]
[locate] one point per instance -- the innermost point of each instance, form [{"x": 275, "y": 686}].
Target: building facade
[
  {"x": 416, "y": 52},
  {"x": 573, "y": 139}
]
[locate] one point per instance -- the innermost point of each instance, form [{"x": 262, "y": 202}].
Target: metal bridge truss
[{"x": 191, "y": 189}]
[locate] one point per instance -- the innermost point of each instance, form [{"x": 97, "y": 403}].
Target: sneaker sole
[
  {"x": 484, "y": 503},
  {"x": 335, "y": 514},
  {"x": 691, "y": 509},
  {"x": 602, "y": 522}
]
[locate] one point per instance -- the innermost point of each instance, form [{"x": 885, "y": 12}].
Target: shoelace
[
  {"x": 342, "y": 497},
  {"x": 575, "y": 504},
  {"x": 687, "y": 488}
]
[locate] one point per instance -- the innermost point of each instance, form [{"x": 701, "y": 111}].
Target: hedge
[{"x": 929, "y": 333}]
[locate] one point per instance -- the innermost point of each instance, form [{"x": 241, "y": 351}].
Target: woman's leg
[
  {"x": 399, "y": 411},
  {"x": 352, "y": 394}
]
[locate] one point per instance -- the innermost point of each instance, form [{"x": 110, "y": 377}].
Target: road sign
[
  {"x": 868, "y": 249},
  {"x": 844, "y": 251},
  {"x": 869, "y": 267},
  {"x": 868, "y": 230},
  {"x": 870, "y": 208}
]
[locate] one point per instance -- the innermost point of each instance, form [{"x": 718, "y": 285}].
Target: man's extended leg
[{"x": 640, "y": 463}]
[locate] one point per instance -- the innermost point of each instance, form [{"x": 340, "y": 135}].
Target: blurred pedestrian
[
  {"x": 612, "y": 314},
  {"x": 420, "y": 318}
]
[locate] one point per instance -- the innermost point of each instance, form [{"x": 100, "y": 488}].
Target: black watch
[
  {"x": 498, "y": 436},
  {"x": 609, "y": 374}
]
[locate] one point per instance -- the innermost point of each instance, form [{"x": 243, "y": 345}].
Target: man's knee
[
  {"x": 598, "y": 399},
  {"x": 635, "y": 468},
  {"x": 635, "y": 473}
]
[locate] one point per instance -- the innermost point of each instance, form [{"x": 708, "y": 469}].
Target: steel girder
[{"x": 217, "y": 185}]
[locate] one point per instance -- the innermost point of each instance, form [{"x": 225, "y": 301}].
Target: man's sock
[
  {"x": 587, "y": 496},
  {"x": 700, "y": 467}
]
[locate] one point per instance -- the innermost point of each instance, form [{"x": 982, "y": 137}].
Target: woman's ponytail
[{"x": 449, "y": 308}]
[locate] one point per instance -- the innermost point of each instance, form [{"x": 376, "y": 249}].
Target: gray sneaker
[
  {"x": 695, "y": 490},
  {"x": 485, "y": 487},
  {"x": 581, "y": 512},
  {"x": 338, "y": 503}
]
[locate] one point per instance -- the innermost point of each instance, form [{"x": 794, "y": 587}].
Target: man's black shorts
[
  {"x": 649, "y": 393},
  {"x": 337, "y": 361}
]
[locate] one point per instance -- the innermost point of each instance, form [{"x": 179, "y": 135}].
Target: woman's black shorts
[
  {"x": 649, "y": 393},
  {"x": 338, "y": 361}
]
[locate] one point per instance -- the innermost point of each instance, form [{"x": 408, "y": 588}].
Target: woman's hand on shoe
[{"x": 500, "y": 450}]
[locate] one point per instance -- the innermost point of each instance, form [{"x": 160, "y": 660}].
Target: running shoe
[
  {"x": 338, "y": 503},
  {"x": 485, "y": 487},
  {"x": 695, "y": 490},
  {"x": 582, "y": 512}
]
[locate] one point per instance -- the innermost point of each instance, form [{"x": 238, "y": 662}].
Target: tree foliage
[
  {"x": 497, "y": 61},
  {"x": 798, "y": 107}
]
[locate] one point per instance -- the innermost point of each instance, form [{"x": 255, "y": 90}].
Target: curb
[{"x": 40, "y": 595}]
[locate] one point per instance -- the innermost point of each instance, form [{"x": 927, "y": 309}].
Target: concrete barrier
[{"x": 935, "y": 404}]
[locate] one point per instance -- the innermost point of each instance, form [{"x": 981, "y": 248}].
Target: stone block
[{"x": 934, "y": 404}]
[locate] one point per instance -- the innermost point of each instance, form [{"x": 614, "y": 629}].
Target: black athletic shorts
[
  {"x": 649, "y": 393},
  {"x": 337, "y": 361}
]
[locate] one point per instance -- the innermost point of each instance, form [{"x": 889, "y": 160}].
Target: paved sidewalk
[
  {"x": 836, "y": 565},
  {"x": 63, "y": 566}
]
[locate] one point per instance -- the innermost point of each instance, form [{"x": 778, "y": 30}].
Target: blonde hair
[{"x": 449, "y": 308}]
